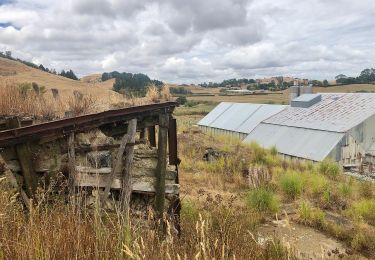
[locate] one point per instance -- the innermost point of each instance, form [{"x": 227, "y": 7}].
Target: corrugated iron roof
[
  {"x": 262, "y": 113},
  {"x": 239, "y": 117},
  {"x": 299, "y": 142},
  {"x": 215, "y": 113},
  {"x": 337, "y": 112}
]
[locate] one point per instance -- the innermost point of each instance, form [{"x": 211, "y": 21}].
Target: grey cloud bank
[{"x": 193, "y": 41}]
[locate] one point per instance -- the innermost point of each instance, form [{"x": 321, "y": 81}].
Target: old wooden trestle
[{"x": 115, "y": 152}]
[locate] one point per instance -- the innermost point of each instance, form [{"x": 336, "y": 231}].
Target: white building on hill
[{"x": 340, "y": 126}]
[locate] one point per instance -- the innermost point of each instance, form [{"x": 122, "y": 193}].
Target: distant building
[{"x": 340, "y": 126}]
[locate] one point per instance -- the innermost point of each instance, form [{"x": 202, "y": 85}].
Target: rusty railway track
[{"x": 81, "y": 123}]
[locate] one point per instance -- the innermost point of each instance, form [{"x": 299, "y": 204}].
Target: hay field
[
  {"x": 17, "y": 72},
  {"x": 346, "y": 88},
  {"x": 273, "y": 98}
]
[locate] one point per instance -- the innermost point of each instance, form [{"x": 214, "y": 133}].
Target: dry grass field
[
  {"x": 274, "y": 98},
  {"x": 17, "y": 72},
  {"x": 347, "y": 88}
]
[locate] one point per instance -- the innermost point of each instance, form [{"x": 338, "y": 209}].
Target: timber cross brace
[{"x": 113, "y": 154}]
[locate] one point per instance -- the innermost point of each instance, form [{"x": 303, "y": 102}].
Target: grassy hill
[
  {"x": 281, "y": 97},
  {"x": 13, "y": 71}
]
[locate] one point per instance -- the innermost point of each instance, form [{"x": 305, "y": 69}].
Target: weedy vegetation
[{"x": 220, "y": 210}]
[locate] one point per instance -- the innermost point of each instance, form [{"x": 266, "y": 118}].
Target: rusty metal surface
[
  {"x": 172, "y": 142},
  {"x": 80, "y": 123}
]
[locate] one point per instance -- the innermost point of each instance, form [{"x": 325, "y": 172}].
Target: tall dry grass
[
  {"x": 22, "y": 100},
  {"x": 62, "y": 231}
]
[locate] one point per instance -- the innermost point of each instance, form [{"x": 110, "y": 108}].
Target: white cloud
[{"x": 193, "y": 41}]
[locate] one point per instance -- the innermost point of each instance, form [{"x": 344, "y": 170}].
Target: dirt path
[{"x": 305, "y": 241}]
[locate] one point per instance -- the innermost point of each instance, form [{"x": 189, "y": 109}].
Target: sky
[{"x": 193, "y": 41}]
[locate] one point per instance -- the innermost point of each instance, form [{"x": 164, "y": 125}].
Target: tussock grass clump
[
  {"x": 363, "y": 210},
  {"x": 165, "y": 93},
  {"x": 292, "y": 184},
  {"x": 153, "y": 94},
  {"x": 330, "y": 169},
  {"x": 259, "y": 154},
  {"x": 317, "y": 183},
  {"x": 311, "y": 216},
  {"x": 80, "y": 104},
  {"x": 345, "y": 190},
  {"x": 262, "y": 199}
]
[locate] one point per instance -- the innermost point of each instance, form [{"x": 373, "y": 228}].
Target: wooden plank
[
  {"x": 127, "y": 178},
  {"x": 23, "y": 153},
  {"x": 136, "y": 172},
  {"x": 117, "y": 162},
  {"x": 71, "y": 162},
  {"x": 84, "y": 169},
  {"x": 138, "y": 185},
  {"x": 142, "y": 134},
  {"x": 151, "y": 136},
  {"x": 172, "y": 142},
  {"x": 161, "y": 167}
]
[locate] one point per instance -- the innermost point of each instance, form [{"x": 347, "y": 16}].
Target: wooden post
[
  {"x": 161, "y": 168},
  {"x": 151, "y": 136},
  {"x": 142, "y": 134},
  {"x": 24, "y": 158},
  {"x": 127, "y": 178},
  {"x": 117, "y": 162},
  {"x": 71, "y": 162}
]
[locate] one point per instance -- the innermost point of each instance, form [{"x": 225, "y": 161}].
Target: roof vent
[{"x": 306, "y": 100}]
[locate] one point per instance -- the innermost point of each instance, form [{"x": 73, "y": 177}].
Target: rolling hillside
[{"x": 13, "y": 71}]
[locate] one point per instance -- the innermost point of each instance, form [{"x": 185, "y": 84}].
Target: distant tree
[
  {"x": 340, "y": 76},
  {"x": 41, "y": 67},
  {"x": 367, "y": 76},
  {"x": 8, "y": 54},
  {"x": 316, "y": 83},
  {"x": 131, "y": 84},
  {"x": 325, "y": 83},
  {"x": 280, "y": 80},
  {"x": 68, "y": 74}
]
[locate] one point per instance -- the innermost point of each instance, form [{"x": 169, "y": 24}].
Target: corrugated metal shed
[
  {"x": 262, "y": 113},
  {"x": 215, "y": 113},
  {"x": 299, "y": 142},
  {"x": 336, "y": 112},
  {"x": 239, "y": 117}
]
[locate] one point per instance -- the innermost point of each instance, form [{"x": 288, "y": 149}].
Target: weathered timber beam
[
  {"x": 172, "y": 142},
  {"x": 120, "y": 128},
  {"x": 23, "y": 154},
  {"x": 161, "y": 167},
  {"x": 80, "y": 123},
  {"x": 151, "y": 135},
  {"x": 138, "y": 185},
  {"x": 99, "y": 147},
  {"x": 139, "y": 173},
  {"x": 126, "y": 190},
  {"x": 71, "y": 162},
  {"x": 117, "y": 163}
]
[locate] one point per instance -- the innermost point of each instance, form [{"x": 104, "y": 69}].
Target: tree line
[
  {"x": 366, "y": 76},
  {"x": 129, "y": 83},
  {"x": 67, "y": 74},
  {"x": 227, "y": 82}
]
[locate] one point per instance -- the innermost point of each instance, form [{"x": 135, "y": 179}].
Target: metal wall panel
[{"x": 299, "y": 142}]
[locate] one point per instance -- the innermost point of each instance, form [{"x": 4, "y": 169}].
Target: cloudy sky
[{"x": 188, "y": 41}]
